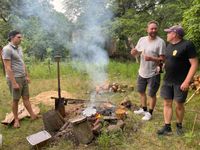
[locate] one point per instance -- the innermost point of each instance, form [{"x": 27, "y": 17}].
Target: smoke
[
  {"x": 87, "y": 47},
  {"x": 39, "y": 17},
  {"x": 89, "y": 40}
]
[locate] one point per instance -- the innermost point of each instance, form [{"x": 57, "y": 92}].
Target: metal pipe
[{"x": 57, "y": 59}]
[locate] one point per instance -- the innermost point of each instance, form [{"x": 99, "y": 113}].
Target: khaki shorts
[{"x": 22, "y": 91}]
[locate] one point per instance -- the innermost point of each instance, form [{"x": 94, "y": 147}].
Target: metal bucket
[{"x": 38, "y": 139}]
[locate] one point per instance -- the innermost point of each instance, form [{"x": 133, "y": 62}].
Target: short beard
[{"x": 153, "y": 35}]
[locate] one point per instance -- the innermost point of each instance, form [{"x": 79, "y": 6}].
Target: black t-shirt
[{"x": 177, "y": 62}]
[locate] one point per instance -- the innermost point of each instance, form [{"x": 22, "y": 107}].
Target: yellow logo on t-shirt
[{"x": 175, "y": 52}]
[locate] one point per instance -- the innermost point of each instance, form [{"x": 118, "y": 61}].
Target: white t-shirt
[{"x": 153, "y": 48}]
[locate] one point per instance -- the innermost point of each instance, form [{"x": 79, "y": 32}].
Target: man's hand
[
  {"x": 148, "y": 58},
  {"x": 15, "y": 86},
  {"x": 184, "y": 86},
  {"x": 134, "y": 52},
  {"x": 28, "y": 79}
]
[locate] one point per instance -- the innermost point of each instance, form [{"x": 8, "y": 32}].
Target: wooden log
[
  {"x": 22, "y": 113},
  {"x": 82, "y": 130},
  {"x": 53, "y": 121}
]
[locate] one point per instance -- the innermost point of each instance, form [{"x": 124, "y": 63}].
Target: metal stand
[{"x": 60, "y": 101}]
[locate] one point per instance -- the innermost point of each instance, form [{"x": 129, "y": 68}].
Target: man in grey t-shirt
[
  {"x": 151, "y": 49},
  {"x": 17, "y": 77}
]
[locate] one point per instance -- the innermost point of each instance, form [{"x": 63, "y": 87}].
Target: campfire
[
  {"x": 90, "y": 121},
  {"x": 86, "y": 121}
]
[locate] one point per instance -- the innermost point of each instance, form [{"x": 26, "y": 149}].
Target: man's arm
[
  {"x": 192, "y": 71},
  {"x": 26, "y": 74},
  {"x": 161, "y": 54},
  {"x": 7, "y": 64},
  {"x": 155, "y": 59},
  {"x": 2, "y": 60},
  {"x": 135, "y": 52}
]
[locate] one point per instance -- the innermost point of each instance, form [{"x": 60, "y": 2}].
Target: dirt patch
[{"x": 45, "y": 97}]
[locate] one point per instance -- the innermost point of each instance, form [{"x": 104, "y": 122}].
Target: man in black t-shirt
[{"x": 181, "y": 64}]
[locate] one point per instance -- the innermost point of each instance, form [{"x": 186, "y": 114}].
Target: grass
[{"x": 136, "y": 134}]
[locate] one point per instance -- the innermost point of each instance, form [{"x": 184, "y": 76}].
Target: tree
[
  {"x": 191, "y": 24},
  {"x": 131, "y": 17},
  {"x": 41, "y": 25}
]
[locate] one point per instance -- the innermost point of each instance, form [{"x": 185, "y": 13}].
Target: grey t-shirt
[
  {"x": 10, "y": 52},
  {"x": 148, "y": 47}
]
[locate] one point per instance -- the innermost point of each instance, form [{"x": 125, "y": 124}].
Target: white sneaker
[
  {"x": 139, "y": 112},
  {"x": 147, "y": 116}
]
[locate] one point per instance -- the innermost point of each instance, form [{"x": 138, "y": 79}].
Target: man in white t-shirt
[{"x": 151, "y": 49}]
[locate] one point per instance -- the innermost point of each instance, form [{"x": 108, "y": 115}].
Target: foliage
[
  {"x": 191, "y": 24},
  {"x": 104, "y": 141},
  {"x": 42, "y": 26},
  {"x": 4, "y": 29},
  {"x": 131, "y": 17},
  {"x": 47, "y": 29}
]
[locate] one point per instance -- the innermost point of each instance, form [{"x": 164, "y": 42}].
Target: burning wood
[{"x": 120, "y": 113}]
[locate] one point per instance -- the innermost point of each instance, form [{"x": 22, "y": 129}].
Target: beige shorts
[{"x": 22, "y": 91}]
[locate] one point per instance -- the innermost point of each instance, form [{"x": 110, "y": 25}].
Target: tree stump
[
  {"x": 82, "y": 130},
  {"x": 53, "y": 121}
]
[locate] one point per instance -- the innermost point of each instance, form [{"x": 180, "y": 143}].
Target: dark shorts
[
  {"x": 23, "y": 91},
  {"x": 153, "y": 84},
  {"x": 173, "y": 92}
]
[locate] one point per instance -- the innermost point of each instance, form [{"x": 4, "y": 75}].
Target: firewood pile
[
  {"x": 114, "y": 87},
  {"x": 195, "y": 84},
  {"x": 110, "y": 117}
]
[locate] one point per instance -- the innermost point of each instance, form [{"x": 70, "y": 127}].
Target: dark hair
[
  {"x": 12, "y": 34},
  {"x": 153, "y": 21}
]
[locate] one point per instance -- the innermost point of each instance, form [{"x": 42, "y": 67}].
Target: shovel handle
[{"x": 189, "y": 99}]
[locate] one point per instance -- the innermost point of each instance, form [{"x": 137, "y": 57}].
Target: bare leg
[
  {"x": 167, "y": 111},
  {"x": 152, "y": 102},
  {"x": 143, "y": 99},
  {"x": 27, "y": 104},
  {"x": 15, "y": 113},
  {"x": 180, "y": 110}
]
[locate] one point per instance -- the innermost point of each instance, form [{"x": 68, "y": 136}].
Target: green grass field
[{"x": 136, "y": 134}]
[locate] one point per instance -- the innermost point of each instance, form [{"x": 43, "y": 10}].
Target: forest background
[{"x": 48, "y": 32}]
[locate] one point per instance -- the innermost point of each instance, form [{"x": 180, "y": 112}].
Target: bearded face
[{"x": 152, "y": 30}]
